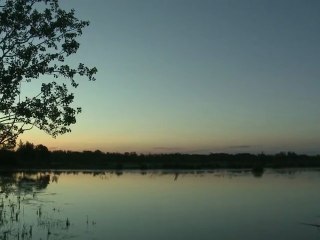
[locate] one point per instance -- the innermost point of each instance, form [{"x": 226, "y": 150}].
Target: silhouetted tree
[
  {"x": 26, "y": 151},
  {"x": 35, "y": 38},
  {"x": 42, "y": 152},
  {"x": 41, "y": 148}
]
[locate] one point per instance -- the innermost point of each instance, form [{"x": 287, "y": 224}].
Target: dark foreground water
[{"x": 160, "y": 205}]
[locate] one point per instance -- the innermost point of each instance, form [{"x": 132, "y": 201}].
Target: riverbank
[{"x": 44, "y": 159}]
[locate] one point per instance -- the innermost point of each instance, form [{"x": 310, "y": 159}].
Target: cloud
[
  {"x": 167, "y": 148},
  {"x": 240, "y": 146},
  {"x": 200, "y": 151}
]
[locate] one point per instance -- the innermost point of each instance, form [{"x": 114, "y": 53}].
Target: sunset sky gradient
[{"x": 197, "y": 77}]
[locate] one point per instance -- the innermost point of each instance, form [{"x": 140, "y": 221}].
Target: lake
[{"x": 224, "y": 204}]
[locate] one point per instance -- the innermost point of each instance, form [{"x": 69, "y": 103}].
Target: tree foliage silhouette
[{"x": 36, "y": 36}]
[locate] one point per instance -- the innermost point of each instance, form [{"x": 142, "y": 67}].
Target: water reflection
[
  {"x": 22, "y": 182},
  {"x": 27, "y": 182},
  {"x": 19, "y": 201},
  {"x": 226, "y": 204}
]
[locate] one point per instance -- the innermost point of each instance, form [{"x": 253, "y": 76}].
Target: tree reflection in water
[{"x": 18, "y": 201}]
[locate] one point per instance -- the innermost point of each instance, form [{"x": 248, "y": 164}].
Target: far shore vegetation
[{"x": 29, "y": 156}]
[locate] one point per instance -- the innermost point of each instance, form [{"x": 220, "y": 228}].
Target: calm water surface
[{"x": 160, "y": 205}]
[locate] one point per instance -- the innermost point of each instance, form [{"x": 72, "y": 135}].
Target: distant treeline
[{"x": 29, "y": 156}]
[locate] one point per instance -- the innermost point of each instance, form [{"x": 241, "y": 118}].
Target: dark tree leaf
[{"x": 36, "y": 36}]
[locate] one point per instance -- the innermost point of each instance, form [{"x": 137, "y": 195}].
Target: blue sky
[{"x": 197, "y": 76}]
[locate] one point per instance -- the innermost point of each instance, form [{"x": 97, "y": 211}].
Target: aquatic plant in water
[{"x": 22, "y": 214}]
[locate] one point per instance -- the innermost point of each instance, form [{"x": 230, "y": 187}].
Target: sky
[{"x": 196, "y": 77}]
